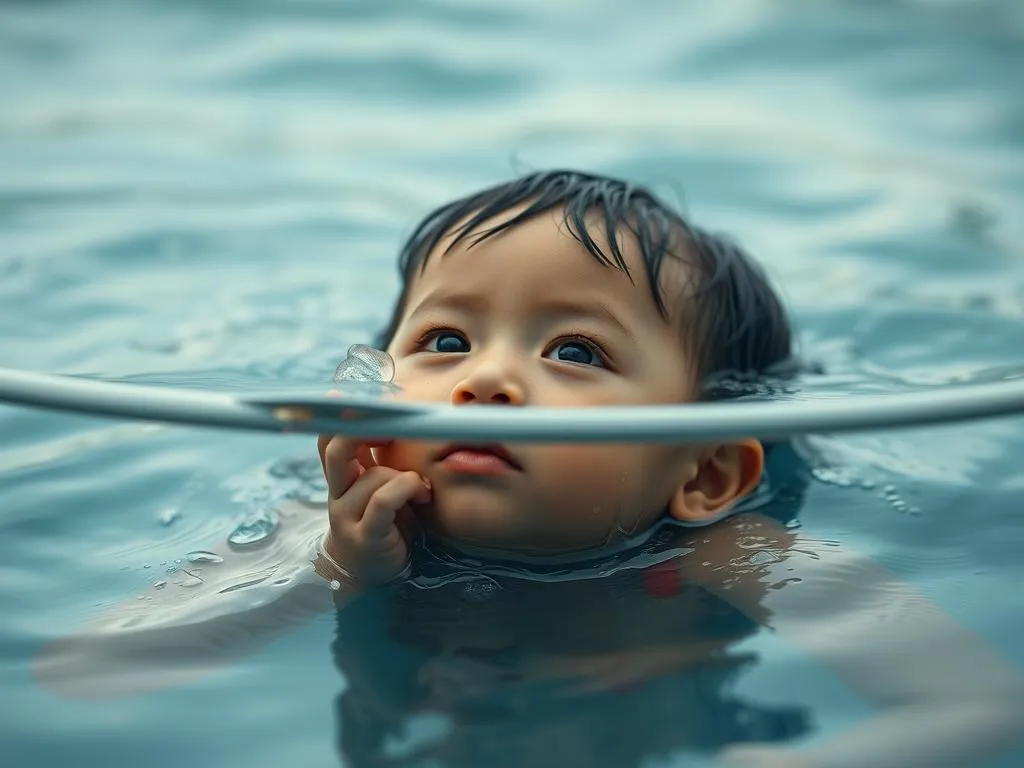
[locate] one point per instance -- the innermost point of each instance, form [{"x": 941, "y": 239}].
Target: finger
[
  {"x": 339, "y": 457},
  {"x": 321, "y": 449},
  {"x": 384, "y": 503},
  {"x": 351, "y": 507}
]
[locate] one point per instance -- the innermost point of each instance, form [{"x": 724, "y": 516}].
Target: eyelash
[
  {"x": 431, "y": 332},
  {"x": 585, "y": 338}
]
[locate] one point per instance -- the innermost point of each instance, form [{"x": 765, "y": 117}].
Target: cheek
[
  {"x": 597, "y": 474},
  {"x": 627, "y": 484},
  {"x": 403, "y": 456},
  {"x": 422, "y": 383}
]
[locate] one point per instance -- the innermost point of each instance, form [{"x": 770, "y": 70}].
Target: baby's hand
[{"x": 366, "y": 503}]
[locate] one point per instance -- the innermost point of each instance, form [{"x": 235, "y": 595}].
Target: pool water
[{"x": 212, "y": 194}]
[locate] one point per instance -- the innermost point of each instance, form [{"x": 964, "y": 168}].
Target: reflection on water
[{"x": 213, "y": 194}]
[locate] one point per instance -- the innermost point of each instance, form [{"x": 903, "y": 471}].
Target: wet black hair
[{"x": 736, "y": 325}]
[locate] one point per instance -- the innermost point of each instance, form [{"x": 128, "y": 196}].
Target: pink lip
[{"x": 478, "y": 459}]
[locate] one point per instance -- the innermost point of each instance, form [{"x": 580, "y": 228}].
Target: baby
[
  {"x": 568, "y": 289},
  {"x": 557, "y": 289}
]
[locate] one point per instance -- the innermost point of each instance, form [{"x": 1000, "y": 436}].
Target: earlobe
[{"x": 724, "y": 474}]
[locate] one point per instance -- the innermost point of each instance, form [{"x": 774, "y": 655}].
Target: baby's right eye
[{"x": 444, "y": 341}]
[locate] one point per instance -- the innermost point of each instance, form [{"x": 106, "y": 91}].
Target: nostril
[
  {"x": 463, "y": 397},
  {"x": 501, "y": 397}
]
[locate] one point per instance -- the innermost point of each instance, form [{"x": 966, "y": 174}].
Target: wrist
[{"x": 331, "y": 568}]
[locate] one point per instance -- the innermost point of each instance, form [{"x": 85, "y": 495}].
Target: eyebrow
[
  {"x": 559, "y": 308},
  {"x": 570, "y": 308}
]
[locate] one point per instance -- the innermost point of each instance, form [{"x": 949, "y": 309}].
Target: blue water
[{"x": 213, "y": 194}]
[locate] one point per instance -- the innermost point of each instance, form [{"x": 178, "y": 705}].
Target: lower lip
[{"x": 476, "y": 463}]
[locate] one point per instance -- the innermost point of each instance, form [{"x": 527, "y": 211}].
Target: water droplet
[
  {"x": 160, "y": 585},
  {"x": 178, "y": 561},
  {"x": 889, "y": 490},
  {"x": 146, "y": 565},
  {"x": 253, "y": 531},
  {"x": 202, "y": 556},
  {"x": 167, "y": 516},
  {"x": 335, "y": 585},
  {"x": 171, "y": 569},
  {"x": 867, "y": 485}
]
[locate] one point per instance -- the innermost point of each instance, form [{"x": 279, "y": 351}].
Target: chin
[{"x": 479, "y": 522}]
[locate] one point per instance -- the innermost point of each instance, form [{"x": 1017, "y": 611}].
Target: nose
[{"x": 490, "y": 382}]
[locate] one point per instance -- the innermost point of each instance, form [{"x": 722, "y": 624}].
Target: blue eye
[
  {"x": 577, "y": 352},
  {"x": 446, "y": 342}
]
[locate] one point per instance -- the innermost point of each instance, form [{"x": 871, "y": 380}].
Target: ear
[{"x": 723, "y": 475}]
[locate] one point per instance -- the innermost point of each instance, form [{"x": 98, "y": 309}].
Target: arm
[
  {"x": 946, "y": 696},
  {"x": 174, "y": 635}
]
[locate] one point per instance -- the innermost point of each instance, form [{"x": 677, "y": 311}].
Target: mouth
[{"x": 488, "y": 459}]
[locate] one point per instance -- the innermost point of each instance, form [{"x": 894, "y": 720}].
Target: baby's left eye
[{"x": 577, "y": 351}]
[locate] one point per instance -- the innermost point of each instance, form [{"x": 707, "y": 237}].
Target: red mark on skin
[{"x": 662, "y": 580}]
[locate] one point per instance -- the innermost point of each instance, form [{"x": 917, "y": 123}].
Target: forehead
[{"x": 544, "y": 255}]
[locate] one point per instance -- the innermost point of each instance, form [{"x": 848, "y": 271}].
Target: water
[{"x": 213, "y": 194}]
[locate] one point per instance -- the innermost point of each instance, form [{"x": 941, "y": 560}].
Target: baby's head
[{"x": 568, "y": 289}]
